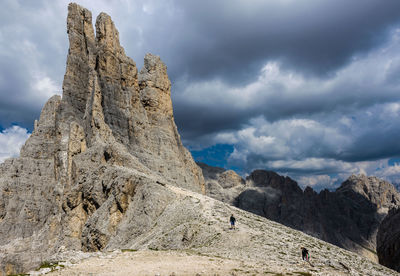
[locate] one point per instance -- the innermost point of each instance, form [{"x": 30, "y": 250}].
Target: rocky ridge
[{"x": 348, "y": 217}]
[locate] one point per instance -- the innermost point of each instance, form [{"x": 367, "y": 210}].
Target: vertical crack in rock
[{"x": 81, "y": 58}]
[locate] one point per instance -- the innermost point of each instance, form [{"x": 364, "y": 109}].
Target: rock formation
[
  {"x": 348, "y": 217},
  {"x": 222, "y": 184},
  {"x": 90, "y": 176},
  {"x": 388, "y": 240}
]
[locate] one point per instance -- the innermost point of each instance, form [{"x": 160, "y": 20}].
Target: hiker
[
  {"x": 232, "y": 221},
  {"x": 304, "y": 254}
]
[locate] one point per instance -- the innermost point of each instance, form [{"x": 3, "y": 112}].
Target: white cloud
[
  {"x": 11, "y": 141},
  {"x": 312, "y": 165},
  {"x": 148, "y": 8},
  {"x": 388, "y": 172},
  {"x": 316, "y": 181},
  {"x": 44, "y": 87},
  {"x": 285, "y": 140}
]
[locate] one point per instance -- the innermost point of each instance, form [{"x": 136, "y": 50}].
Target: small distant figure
[
  {"x": 305, "y": 255},
  {"x": 232, "y": 221}
]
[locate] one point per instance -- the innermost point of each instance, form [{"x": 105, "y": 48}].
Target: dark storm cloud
[
  {"x": 376, "y": 135},
  {"x": 233, "y": 39},
  {"x": 226, "y": 40},
  {"x": 280, "y": 94},
  {"x": 13, "y": 105},
  {"x": 30, "y": 67},
  {"x": 194, "y": 121}
]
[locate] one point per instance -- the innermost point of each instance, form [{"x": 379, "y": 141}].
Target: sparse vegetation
[
  {"x": 303, "y": 273},
  {"x": 52, "y": 265},
  {"x": 128, "y": 250}
]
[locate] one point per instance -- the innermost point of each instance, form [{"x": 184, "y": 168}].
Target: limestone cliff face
[
  {"x": 113, "y": 103},
  {"x": 90, "y": 176},
  {"x": 348, "y": 217},
  {"x": 388, "y": 240}
]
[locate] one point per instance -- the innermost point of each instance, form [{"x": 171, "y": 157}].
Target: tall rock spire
[
  {"x": 95, "y": 154},
  {"x": 81, "y": 58},
  {"x": 105, "y": 95}
]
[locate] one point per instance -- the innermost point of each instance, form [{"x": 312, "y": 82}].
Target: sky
[{"x": 309, "y": 89}]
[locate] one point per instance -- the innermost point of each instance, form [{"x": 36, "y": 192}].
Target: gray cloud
[
  {"x": 31, "y": 69},
  {"x": 332, "y": 144},
  {"x": 234, "y": 39},
  {"x": 279, "y": 94},
  {"x": 11, "y": 141}
]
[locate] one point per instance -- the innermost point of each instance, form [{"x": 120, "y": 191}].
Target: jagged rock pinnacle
[
  {"x": 95, "y": 154},
  {"x": 106, "y": 96}
]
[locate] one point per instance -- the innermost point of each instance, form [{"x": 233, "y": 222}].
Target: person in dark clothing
[
  {"x": 232, "y": 221},
  {"x": 304, "y": 254}
]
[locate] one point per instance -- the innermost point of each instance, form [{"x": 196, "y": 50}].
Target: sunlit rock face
[{"x": 90, "y": 176}]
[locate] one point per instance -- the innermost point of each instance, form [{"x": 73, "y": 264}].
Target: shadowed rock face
[
  {"x": 89, "y": 177},
  {"x": 221, "y": 184},
  {"x": 348, "y": 217},
  {"x": 388, "y": 240}
]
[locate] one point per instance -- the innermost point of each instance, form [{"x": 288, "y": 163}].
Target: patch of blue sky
[
  {"x": 216, "y": 155},
  {"x": 393, "y": 161}
]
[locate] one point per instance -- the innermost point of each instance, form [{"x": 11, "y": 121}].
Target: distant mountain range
[{"x": 348, "y": 217}]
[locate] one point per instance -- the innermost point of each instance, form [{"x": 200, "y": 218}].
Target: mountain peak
[{"x": 92, "y": 173}]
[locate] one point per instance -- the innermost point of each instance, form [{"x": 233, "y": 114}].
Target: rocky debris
[
  {"x": 91, "y": 175},
  {"x": 388, "y": 240},
  {"x": 348, "y": 217},
  {"x": 196, "y": 227}
]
